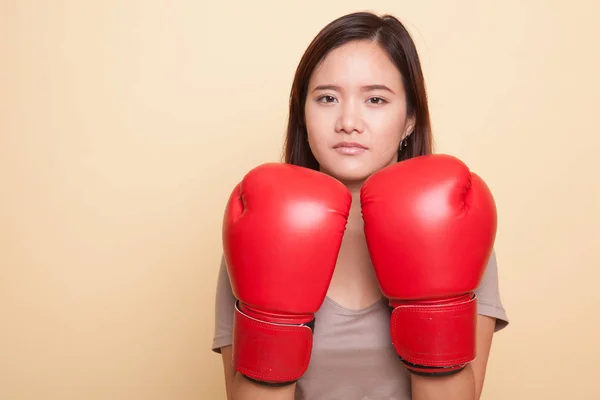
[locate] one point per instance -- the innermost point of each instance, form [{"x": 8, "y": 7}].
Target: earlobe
[{"x": 409, "y": 129}]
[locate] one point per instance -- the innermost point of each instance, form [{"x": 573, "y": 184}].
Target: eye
[
  {"x": 376, "y": 100},
  {"x": 326, "y": 99}
]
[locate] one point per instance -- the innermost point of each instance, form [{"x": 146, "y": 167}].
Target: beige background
[{"x": 124, "y": 125}]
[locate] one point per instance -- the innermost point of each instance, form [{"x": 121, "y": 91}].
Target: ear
[{"x": 409, "y": 127}]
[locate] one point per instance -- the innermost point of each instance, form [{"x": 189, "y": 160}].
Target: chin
[
  {"x": 353, "y": 169},
  {"x": 349, "y": 173}
]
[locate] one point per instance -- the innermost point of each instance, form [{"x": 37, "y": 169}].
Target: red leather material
[
  {"x": 436, "y": 335},
  {"x": 430, "y": 226},
  {"x": 270, "y": 352},
  {"x": 282, "y": 232}
]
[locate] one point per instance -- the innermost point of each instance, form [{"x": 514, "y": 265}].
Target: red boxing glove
[
  {"x": 282, "y": 232},
  {"x": 430, "y": 226}
]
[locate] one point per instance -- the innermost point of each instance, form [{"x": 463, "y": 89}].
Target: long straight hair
[{"x": 394, "y": 39}]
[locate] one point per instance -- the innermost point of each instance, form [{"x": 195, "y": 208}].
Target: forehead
[{"x": 357, "y": 63}]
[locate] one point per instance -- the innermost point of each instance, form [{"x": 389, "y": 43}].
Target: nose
[{"x": 349, "y": 120}]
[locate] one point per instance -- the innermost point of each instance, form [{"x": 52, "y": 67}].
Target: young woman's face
[{"x": 356, "y": 111}]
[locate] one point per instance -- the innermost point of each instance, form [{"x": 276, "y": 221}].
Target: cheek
[
  {"x": 388, "y": 133},
  {"x": 317, "y": 126}
]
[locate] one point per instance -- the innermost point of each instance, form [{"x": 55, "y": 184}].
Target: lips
[
  {"x": 349, "y": 145},
  {"x": 350, "y": 148}
]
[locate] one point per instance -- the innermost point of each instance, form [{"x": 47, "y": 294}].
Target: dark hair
[{"x": 395, "y": 40}]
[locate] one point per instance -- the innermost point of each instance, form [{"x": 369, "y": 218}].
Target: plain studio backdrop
[{"x": 124, "y": 126}]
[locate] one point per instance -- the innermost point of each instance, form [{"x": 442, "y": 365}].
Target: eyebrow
[{"x": 366, "y": 88}]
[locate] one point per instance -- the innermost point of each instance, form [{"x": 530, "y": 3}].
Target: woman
[{"x": 360, "y": 79}]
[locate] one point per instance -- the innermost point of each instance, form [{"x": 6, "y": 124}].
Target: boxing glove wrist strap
[
  {"x": 435, "y": 338},
  {"x": 270, "y": 353}
]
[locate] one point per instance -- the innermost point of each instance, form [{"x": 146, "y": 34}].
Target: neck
[
  {"x": 354, "y": 187},
  {"x": 355, "y": 218}
]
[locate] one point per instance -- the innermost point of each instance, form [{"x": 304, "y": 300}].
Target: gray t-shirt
[{"x": 353, "y": 358}]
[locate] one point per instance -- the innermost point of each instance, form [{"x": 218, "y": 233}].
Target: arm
[
  {"x": 485, "y": 333},
  {"x": 465, "y": 385},
  {"x": 274, "y": 315},
  {"x": 227, "y": 369},
  {"x": 240, "y": 388}
]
